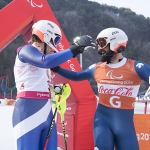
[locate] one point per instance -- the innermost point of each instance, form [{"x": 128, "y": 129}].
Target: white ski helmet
[
  {"x": 113, "y": 36},
  {"x": 48, "y": 32}
]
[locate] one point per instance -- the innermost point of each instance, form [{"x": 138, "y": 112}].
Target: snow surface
[{"x": 6, "y": 129}]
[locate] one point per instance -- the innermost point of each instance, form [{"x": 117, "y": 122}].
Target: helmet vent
[
  {"x": 51, "y": 25},
  {"x": 49, "y": 31}
]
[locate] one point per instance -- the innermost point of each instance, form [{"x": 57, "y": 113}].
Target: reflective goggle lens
[
  {"x": 57, "y": 40},
  {"x": 102, "y": 42}
]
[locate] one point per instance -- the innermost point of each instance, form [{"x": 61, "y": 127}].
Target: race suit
[
  {"x": 32, "y": 113},
  {"x": 118, "y": 85}
]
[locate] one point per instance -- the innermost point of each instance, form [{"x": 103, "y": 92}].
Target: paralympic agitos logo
[
  {"x": 111, "y": 76},
  {"x": 33, "y": 4}
]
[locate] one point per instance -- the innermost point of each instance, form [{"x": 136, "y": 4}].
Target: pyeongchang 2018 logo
[
  {"x": 111, "y": 76},
  {"x": 33, "y": 4}
]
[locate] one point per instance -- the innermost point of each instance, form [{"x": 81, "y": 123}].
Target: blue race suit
[
  {"x": 32, "y": 113},
  {"x": 118, "y": 85}
]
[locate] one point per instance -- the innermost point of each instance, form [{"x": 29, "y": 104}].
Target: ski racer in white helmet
[
  {"x": 118, "y": 80},
  {"x": 115, "y": 38},
  {"x": 48, "y": 32},
  {"x": 32, "y": 113}
]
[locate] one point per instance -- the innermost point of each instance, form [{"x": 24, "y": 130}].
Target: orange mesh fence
[{"x": 142, "y": 126}]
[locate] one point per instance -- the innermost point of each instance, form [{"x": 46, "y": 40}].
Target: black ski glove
[{"x": 82, "y": 44}]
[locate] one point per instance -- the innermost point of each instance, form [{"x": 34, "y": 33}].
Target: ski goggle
[
  {"x": 56, "y": 40},
  {"x": 102, "y": 42}
]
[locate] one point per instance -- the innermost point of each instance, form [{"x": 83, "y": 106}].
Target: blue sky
[{"x": 137, "y": 6}]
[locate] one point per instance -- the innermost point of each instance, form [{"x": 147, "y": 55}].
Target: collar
[{"x": 119, "y": 64}]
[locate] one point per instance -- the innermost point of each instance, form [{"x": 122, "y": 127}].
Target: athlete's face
[
  {"x": 103, "y": 51},
  {"x": 106, "y": 53}
]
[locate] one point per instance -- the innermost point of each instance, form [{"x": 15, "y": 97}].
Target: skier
[
  {"x": 32, "y": 113},
  {"x": 118, "y": 80}
]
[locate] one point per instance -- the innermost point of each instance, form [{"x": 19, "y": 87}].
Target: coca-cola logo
[
  {"x": 33, "y": 4},
  {"x": 123, "y": 91}
]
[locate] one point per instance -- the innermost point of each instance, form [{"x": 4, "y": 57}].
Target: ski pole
[{"x": 50, "y": 129}]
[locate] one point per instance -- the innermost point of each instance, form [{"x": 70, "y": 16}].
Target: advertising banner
[{"x": 142, "y": 126}]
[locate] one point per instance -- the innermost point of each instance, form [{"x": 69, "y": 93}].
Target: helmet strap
[{"x": 45, "y": 47}]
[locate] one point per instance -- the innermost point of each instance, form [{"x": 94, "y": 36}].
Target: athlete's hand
[{"x": 82, "y": 44}]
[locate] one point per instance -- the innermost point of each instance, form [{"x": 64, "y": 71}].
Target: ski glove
[{"x": 82, "y": 44}]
